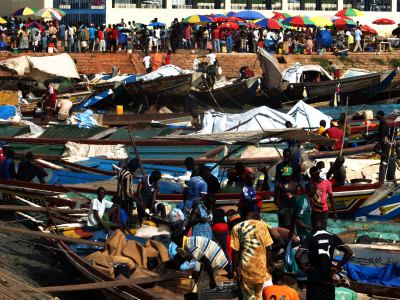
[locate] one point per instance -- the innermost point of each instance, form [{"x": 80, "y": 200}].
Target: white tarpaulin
[
  {"x": 268, "y": 118},
  {"x": 41, "y": 67},
  {"x": 89, "y": 150},
  {"x": 306, "y": 116},
  {"x": 164, "y": 71},
  {"x": 295, "y": 72}
]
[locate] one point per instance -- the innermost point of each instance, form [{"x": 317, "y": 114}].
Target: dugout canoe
[{"x": 348, "y": 198}]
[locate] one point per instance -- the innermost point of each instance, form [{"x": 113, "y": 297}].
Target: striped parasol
[
  {"x": 280, "y": 16},
  {"x": 48, "y": 13},
  {"x": 321, "y": 21},
  {"x": 268, "y": 23},
  {"x": 24, "y": 11},
  {"x": 197, "y": 19},
  {"x": 298, "y": 21},
  {"x": 344, "y": 23},
  {"x": 349, "y": 12}
]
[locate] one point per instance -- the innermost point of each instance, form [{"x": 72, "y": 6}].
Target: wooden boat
[
  {"x": 231, "y": 95},
  {"x": 348, "y": 198},
  {"x": 313, "y": 83}
]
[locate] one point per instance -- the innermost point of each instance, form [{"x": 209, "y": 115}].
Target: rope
[{"x": 215, "y": 100}]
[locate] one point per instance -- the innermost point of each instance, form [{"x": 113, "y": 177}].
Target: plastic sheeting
[
  {"x": 7, "y": 111},
  {"x": 94, "y": 99},
  {"x": 164, "y": 71},
  {"x": 306, "y": 116},
  {"x": 64, "y": 177},
  {"x": 268, "y": 118},
  {"x": 41, "y": 68},
  {"x": 86, "y": 150},
  {"x": 388, "y": 275},
  {"x": 85, "y": 119}
]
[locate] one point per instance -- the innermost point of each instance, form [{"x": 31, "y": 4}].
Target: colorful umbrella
[
  {"x": 349, "y": 12},
  {"x": 268, "y": 23},
  {"x": 280, "y": 16},
  {"x": 3, "y": 21},
  {"x": 321, "y": 21},
  {"x": 25, "y": 11},
  {"x": 251, "y": 25},
  {"x": 197, "y": 19},
  {"x": 367, "y": 29},
  {"x": 384, "y": 21},
  {"x": 249, "y": 15},
  {"x": 298, "y": 21},
  {"x": 60, "y": 11},
  {"x": 229, "y": 25},
  {"x": 48, "y": 13},
  {"x": 344, "y": 23}
]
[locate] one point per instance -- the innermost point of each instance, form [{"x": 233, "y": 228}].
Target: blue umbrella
[
  {"x": 156, "y": 24},
  {"x": 249, "y": 15},
  {"x": 231, "y": 14}
]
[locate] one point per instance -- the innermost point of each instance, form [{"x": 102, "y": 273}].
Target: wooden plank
[
  {"x": 8, "y": 229},
  {"x": 107, "y": 284},
  {"x": 39, "y": 208}
]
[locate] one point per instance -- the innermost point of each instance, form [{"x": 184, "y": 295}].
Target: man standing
[
  {"x": 251, "y": 242},
  {"x": 49, "y": 99},
  {"x": 334, "y": 132},
  {"x": 357, "y": 38},
  {"x": 125, "y": 189},
  {"x": 147, "y": 63},
  {"x": 147, "y": 192},
  {"x": 318, "y": 191},
  {"x": 320, "y": 247},
  {"x": 196, "y": 188}
]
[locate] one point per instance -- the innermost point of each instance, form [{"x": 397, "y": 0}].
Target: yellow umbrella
[
  {"x": 2, "y": 21},
  {"x": 321, "y": 21}
]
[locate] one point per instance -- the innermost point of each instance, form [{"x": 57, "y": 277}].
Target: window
[
  {"x": 139, "y": 3},
  {"x": 80, "y": 4},
  {"x": 369, "y": 5},
  {"x": 312, "y": 4},
  {"x": 257, "y": 4},
  {"x": 202, "y": 4}
]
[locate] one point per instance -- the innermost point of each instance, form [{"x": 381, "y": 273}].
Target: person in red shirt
[
  {"x": 167, "y": 58},
  {"x": 102, "y": 42},
  {"x": 334, "y": 132},
  {"x": 217, "y": 43},
  {"x": 109, "y": 33},
  {"x": 318, "y": 192},
  {"x": 49, "y": 99},
  {"x": 115, "y": 34},
  {"x": 238, "y": 175}
]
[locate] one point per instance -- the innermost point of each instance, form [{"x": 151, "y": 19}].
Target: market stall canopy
[
  {"x": 255, "y": 136},
  {"x": 306, "y": 116},
  {"x": 250, "y": 120},
  {"x": 41, "y": 68}
]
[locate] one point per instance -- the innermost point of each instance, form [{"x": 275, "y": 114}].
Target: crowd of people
[
  {"x": 41, "y": 36},
  {"x": 238, "y": 240}
]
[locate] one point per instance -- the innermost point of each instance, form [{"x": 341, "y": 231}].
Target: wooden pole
[
  {"x": 268, "y": 137},
  {"x": 9, "y": 229},
  {"x": 345, "y": 124},
  {"x": 40, "y": 208},
  {"x": 107, "y": 284},
  {"x": 136, "y": 151}
]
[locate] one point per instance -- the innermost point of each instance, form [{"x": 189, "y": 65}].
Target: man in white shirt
[
  {"x": 147, "y": 63},
  {"x": 212, "y": 57},
  {"x": 96, "y": 211},
  {"x": 357, "y": 39}
]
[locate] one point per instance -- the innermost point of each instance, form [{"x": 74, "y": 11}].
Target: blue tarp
[
  {"x": 65, "y": 177},
  {"x": 325, "y": 39},
  {"x": 388, "y": 275},
  {"x": 94, "y": 99},
  {"x": 7, "y": 111},
  {"x": 85, "y": 119}
]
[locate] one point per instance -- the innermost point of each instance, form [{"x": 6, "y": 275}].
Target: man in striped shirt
[{"x": 209, "y": 256}]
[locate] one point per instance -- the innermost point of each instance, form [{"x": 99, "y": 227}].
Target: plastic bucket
[{"x": 120, "y": 110}]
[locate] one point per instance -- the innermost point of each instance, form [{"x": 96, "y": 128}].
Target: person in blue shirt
[
  {"x": 117, "y": 215},
  {"x": 197, "y": 188},
  {"x": 200, "y": 216},
  {"x": 357, "y": 39},
  {"x": 92, "y": 36},
  {"x": 7, "y": 166},
  {"x": 61, "y": 34}
]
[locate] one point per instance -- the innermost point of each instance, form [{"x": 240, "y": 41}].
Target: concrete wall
[
  {"x": 9, "y": 6},
  {"x": 230, "y": 63}
]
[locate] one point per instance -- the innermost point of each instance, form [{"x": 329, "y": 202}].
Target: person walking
[{"x": 357, "y": 38}]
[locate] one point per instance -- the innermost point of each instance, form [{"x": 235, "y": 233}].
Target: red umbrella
[
  {"x": 229, "y": 25},
  {"x": 367, "y": 29},
  {"x": 220, "y": 19},
  {"x": 252, "y": 25},
  {"x": 384, "y": 21},
  {"x": 280, "y": 16}
]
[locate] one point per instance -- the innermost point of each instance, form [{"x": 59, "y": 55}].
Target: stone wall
[{"x": 230, "y": 63}]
